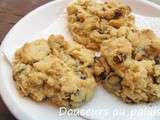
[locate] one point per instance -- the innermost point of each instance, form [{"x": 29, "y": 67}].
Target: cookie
[
  {"x": 146, "y": 45},
  {"x": 90, "y": 22},
  {"x": 55, "y": 70},
  {"x": 135, "y": 67}
]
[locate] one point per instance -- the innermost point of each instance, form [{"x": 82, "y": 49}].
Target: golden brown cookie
[
  {"x": 90, "y": 22},
  {"x": 56, "y": 70},
  {"x": 135, "y": 77}
]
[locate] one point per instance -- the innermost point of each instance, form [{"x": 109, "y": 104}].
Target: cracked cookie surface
[{"x": 55, "y": 70}]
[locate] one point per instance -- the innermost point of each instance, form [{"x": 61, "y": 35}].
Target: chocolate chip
[
  {"x": 118, "y": 13},
  {"x": 69, "y": 99},
  {"x": 81, "y": 62},
  {"x": 83, "y": 77},
  {"x": 80, "y": 18},
  {"x": 70, "y": 105},
  {"x": 103, "y": 9},
  {"x": 90, "y": 66},
  {"x": 157, "y": 59},
  {"x": 157, "y": 79},
  {"x": 119, "y": 58},
  {"x": 133, "y": 54},
  {"x": 82, "y": 74},
  {"x": 77, "y": 92},
  {"x": 100, "y": 31},
  {"x": 103, "y": 75}
]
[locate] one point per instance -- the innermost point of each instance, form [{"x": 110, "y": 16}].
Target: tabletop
[{"x": 10, "y": 12}]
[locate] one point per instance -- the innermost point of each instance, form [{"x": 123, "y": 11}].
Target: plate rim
[{"x": 16, "y": 111}]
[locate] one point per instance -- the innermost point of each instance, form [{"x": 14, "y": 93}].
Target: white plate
[{"x": 25, "y": 109}]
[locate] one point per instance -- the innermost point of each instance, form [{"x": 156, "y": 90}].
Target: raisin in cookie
[
  {"x": 55, "y": 70},
  {"x": 135, "y": 76},
  {"x": 90, "y": 23}
]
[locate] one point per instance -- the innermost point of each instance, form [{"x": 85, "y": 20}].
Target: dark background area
[{"x": 10, "y": 12}]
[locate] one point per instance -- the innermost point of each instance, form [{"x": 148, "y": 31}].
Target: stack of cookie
[{"x": 110, "y": 50}]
